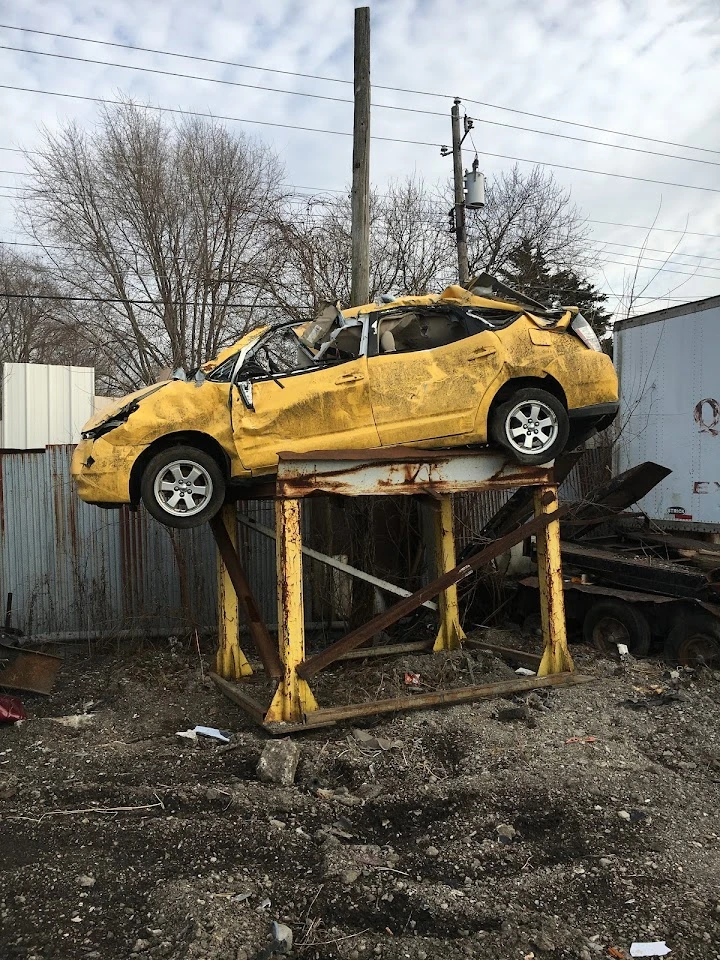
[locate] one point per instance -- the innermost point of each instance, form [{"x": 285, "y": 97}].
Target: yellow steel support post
[
  {"x": 293, "y": 697},
  {"x": 556, "y": 656},
  {"x": 450, "y": 635},
  {"x": 230, "y": 662}
]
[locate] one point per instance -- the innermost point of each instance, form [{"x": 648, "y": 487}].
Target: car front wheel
[
  {"x": 183, "y": 487},
  {"x": 532, "y": 425}
]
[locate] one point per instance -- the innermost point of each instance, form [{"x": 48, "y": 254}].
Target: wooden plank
[
  {"x": 403, "y": 607},
  {"x": 264, "y": 644},
  {"x": 389, "y": 650},
  {"x": 234, "y": 692},
  {"x": 337, "y": 564},
  {"x": 523, "y": 657},
  {"x": 443, "y": 698}
]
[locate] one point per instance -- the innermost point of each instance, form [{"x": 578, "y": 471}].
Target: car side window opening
[
  {"x": 414, "y": 330},
  {"x": 288, "y": 350}
]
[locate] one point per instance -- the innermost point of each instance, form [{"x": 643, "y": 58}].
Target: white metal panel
[
  {"x": 669, "y": 371},
  {"x": 43, "y": 404}
]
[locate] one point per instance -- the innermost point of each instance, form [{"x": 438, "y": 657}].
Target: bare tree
[
  {"x": 31, "y": 329},
  {"x": 410, "y": 248},
  {"x": 163, "y": 228},
  {"x": 532, "y": 209}
]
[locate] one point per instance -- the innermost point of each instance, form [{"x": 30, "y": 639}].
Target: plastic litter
[
  {"x": 11, "y": 710},
  {"x": 194, "y": 732},
  {"x": 524, "y": 672},
  {"x": 657, "y": 948}
]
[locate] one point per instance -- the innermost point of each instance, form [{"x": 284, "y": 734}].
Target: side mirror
[{"x": 245, "y": 388}]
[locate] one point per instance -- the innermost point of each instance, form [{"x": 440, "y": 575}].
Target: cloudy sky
[{"x": 641, "y": 68}]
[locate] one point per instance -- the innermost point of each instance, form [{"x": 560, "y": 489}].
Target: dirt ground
[{"x": 588, "y": 821}]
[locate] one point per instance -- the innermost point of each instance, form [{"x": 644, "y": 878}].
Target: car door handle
[
  {"x": 349, "y": 377},
  {"x": 481, "y": 352}
]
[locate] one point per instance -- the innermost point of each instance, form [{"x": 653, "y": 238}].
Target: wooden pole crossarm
[
  {"x": 264, "y": 644},
  {"x": 402, "y": 608}
]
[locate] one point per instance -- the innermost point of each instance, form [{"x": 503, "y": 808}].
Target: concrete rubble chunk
[
  {"x": 278, "y": 762},
  {"x": 282, "y": 937}
]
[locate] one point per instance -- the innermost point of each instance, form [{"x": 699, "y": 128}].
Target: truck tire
[
  {"x": 609, "y": 622},
  {"x": 183, "y": 486},
  {"x": 533, "y": 426},
  {"x": 694, "y": 640}
]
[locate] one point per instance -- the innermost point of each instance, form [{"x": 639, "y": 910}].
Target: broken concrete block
[{"x": 278, "y": 762}]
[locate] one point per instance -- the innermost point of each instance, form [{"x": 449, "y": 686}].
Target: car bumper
[
  {"x": 595, "y": 411},
  {"x": 101, "y": 471}
]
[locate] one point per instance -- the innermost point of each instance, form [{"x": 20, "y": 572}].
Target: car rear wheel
[
  {"x": 533, "y": 426},
  {"x": 183, "y": 487}
]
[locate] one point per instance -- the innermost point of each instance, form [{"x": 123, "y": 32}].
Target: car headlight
[
  {"x": 582, "y": 329},
  {"x": 117, "y": 420}
]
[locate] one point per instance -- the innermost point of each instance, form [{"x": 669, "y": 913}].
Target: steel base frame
[{"x": 435, "y": 475}]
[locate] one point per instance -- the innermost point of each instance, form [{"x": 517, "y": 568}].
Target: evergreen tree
[{"x": 529, "y": 272}]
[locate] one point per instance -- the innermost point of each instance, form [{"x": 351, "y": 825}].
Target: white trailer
[{"x": 668, "y": 363}]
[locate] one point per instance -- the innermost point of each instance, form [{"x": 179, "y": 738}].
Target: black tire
[
  {"x": 694, "y": 640},
  {"x": 609, "y": 622},
  {"x": 512, "y": 416},
  {"x": 177, "y": 464}
]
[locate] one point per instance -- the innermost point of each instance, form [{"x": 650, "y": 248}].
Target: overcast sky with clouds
[{"x": 644, "y": 67}]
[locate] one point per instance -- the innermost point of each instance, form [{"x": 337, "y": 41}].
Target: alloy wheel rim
[
  {"x": 531, "y": 427},
  {"x": 183, "y": 488}
]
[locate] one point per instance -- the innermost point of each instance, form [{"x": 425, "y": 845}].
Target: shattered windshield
[{"x": 305, "y": 346}]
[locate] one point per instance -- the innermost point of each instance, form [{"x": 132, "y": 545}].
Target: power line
[
  {"x": 343, "y": 133},
  {"x": 155, "y": 303},
  {"x": 672, "y": 253},
  {"x": 326, "y": 79},
  {"x": 381, "y": 106},
  {"x": 638, "y": 226}
]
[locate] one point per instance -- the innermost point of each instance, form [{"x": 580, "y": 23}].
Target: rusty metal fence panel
[{"x": 73, "y": 568}]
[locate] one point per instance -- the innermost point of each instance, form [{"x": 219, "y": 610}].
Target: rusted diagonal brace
[
  {"x": 258, "y": 631},
  {"x": 400, "y": 609}
]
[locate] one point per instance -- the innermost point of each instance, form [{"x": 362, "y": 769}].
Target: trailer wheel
[
  {"x": 610, "y": 622},
  {"x": 694, "y": 640}
]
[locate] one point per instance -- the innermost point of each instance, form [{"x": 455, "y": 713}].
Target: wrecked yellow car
[{"x": 462, "y": 368}]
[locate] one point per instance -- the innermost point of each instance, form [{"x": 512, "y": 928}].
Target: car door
[
  {"x": 430, "y": 383},
  {"x": 321, "y": 407}
]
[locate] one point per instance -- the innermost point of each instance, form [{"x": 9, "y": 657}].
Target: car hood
[{"x": 113, "y": 409}]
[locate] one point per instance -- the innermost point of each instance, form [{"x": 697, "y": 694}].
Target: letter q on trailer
[{"x": 667, "y": 363}]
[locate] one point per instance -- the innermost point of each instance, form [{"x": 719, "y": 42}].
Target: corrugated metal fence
[{"x": 73, "y": 568}]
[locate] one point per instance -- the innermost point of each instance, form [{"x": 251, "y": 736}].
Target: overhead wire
[
  {"x": 344, "y": 133},
  {"x": 382, "y": 106},
  {"x": 348, "y": 82}
]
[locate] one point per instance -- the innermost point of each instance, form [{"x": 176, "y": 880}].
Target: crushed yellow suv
[{"x": 462, "y": 368}]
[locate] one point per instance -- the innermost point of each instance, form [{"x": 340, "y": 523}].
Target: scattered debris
[
  {"x": 624, "y": 815},
  {"x": 85, "y": 881},
  {"x": 282, "y": 937},
  {"x": 76, "y": 721},
  {"x": 524, "y": 672},
  {"x": 506, "y": 833},
  {"x": 412, "y": 679},
  {"x": 11, "y": 710},
  {"x": 521, "y": 712},
  {"x": 617, "y": 953},
  {"x": 367, "y": 740},
  {"x": 8, "y": 785},
  {"x": 212, "y": 732},
  {"x": 278, "y": 762},
  {"x": 581, "y": 740},
  {"x": 657, "y": 948}
]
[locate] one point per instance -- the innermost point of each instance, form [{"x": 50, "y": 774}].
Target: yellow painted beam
[
  {"x": 293, "y": 697},
  {"x": 450, "y": 635},
  {"x": 230, "y": 662},
  {"x": 556, "y": 656}
]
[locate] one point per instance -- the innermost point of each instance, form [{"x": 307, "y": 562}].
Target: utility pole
[
  {"x": 360, "y": 275},
  {"x": 460, "y": 230}
]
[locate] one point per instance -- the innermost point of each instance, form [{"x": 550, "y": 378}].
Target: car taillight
[{"x": 582, "y": 328}]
